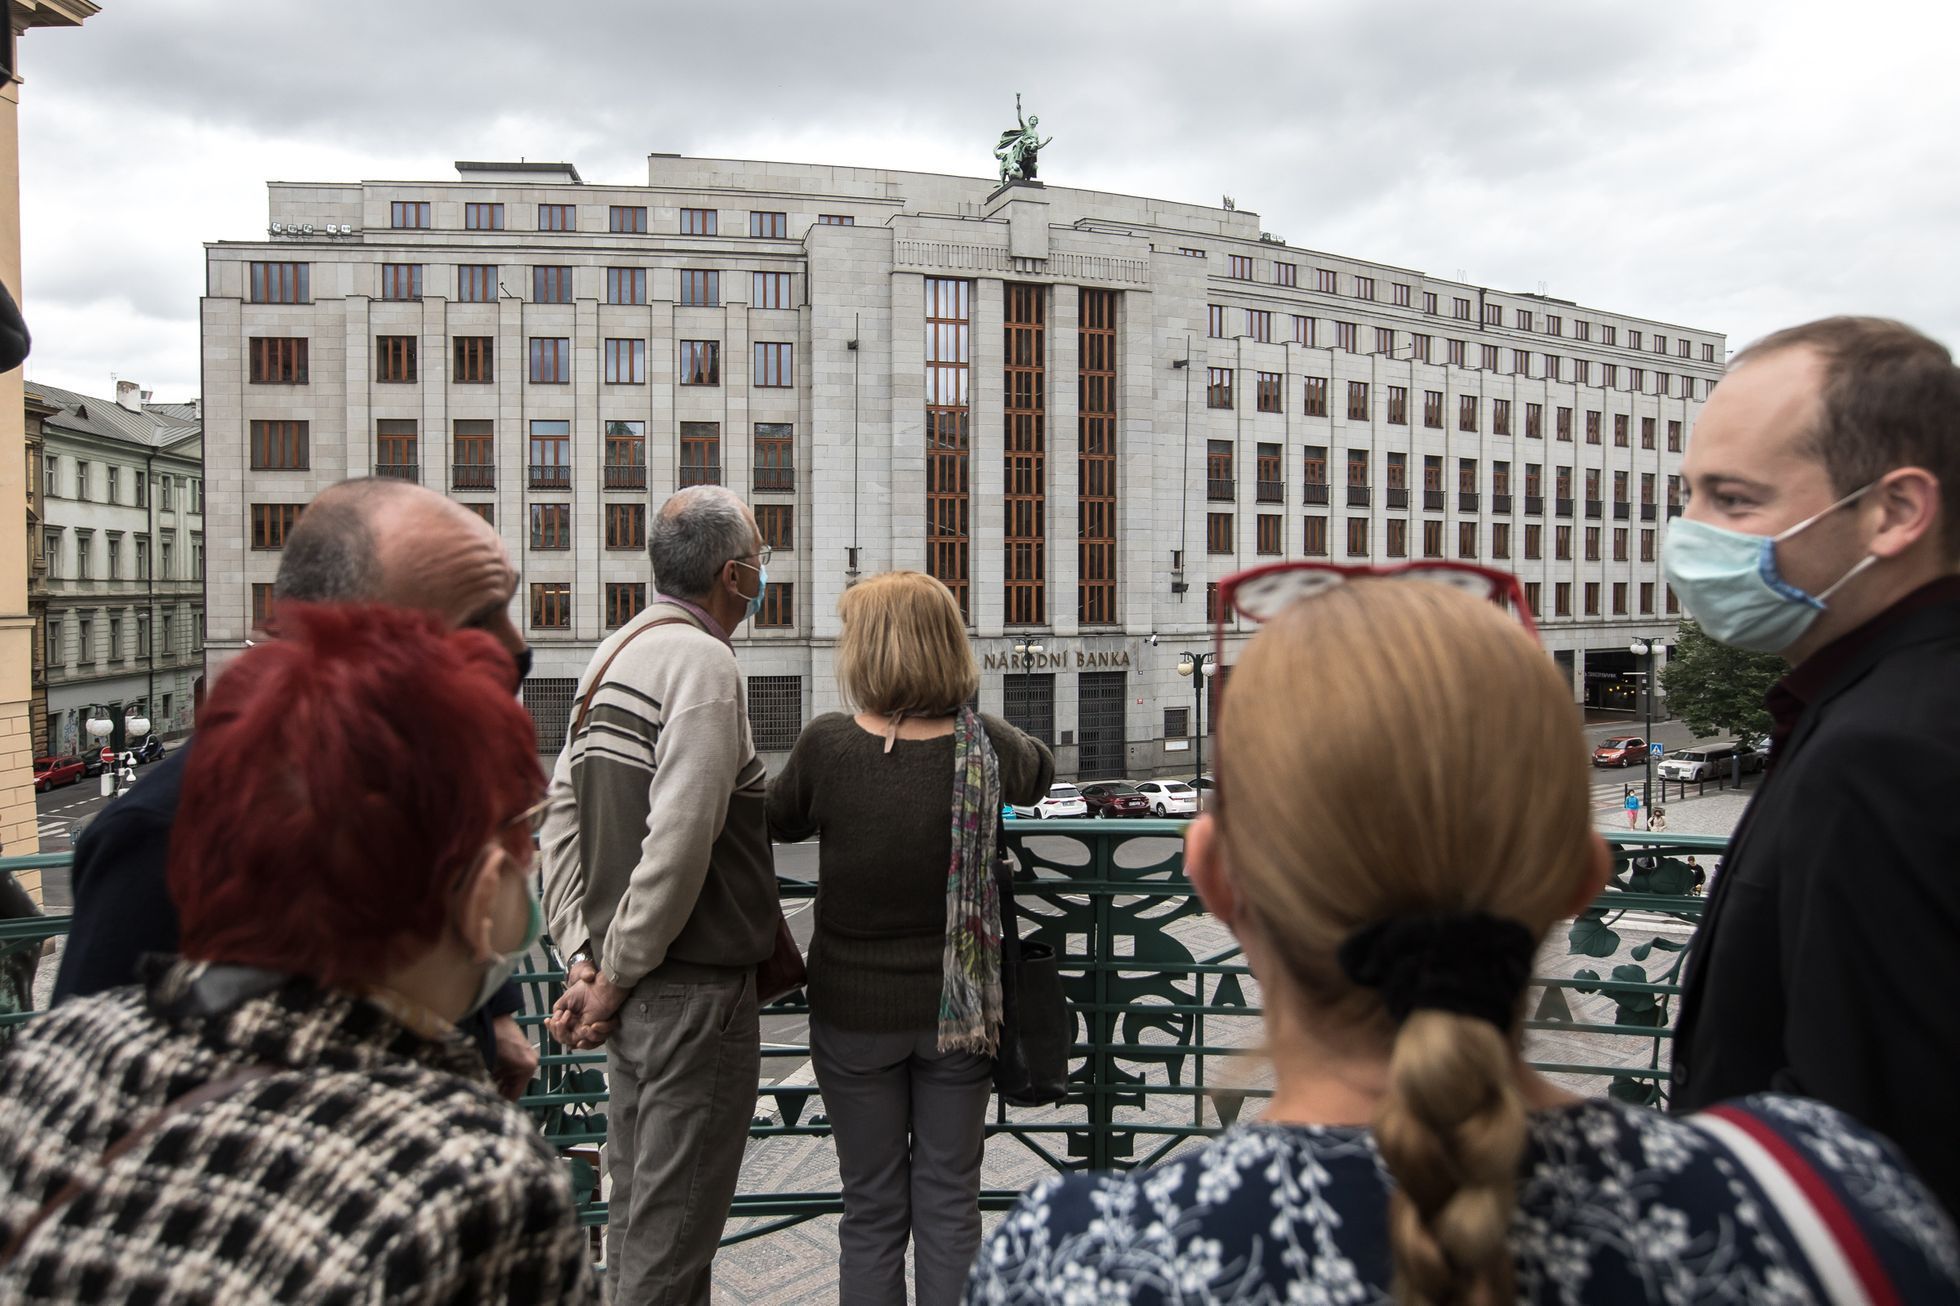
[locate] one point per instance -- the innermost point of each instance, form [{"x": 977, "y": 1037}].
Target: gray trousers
[
  {"x": 910, "y": 1125},
  {"x": 682, "y": 1070}
]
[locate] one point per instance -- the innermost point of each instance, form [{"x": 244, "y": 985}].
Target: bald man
[{"x": 373, "y": 541}]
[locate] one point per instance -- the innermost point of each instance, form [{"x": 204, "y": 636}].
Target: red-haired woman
[{"x": 288, "y": 1112}]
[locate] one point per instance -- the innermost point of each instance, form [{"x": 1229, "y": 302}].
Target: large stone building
[
  {"x": 1079, "y": 409},
  {"x": 18, "y": 824},
  {"x": 118, "y": 588}
]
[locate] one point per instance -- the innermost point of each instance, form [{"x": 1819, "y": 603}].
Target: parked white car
[
  {"x": 1061, "y": 800},
  {"x": 1708, "y": 762},
  {"x": 1169, "y": 797}
]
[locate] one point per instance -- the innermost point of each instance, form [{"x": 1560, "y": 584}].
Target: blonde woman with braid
[{"x": 1389, "y": 900}]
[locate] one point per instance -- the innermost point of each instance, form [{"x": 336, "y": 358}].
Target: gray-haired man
[{"x": 659, "y": 880}]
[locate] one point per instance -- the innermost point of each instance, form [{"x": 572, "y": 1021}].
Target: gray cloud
[{"x": 1732, "y": 167}]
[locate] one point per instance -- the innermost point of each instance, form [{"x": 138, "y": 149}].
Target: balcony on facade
[
  {"x": 1595, "y": 508},
  {"x": 551, "y": 476},
  {"x": 1396, "y": 497},
  {"x": 1500, "y": 503},
  {"x": 1646, "y": 512},
  {"x": 1357, "y": 496},
  {"x": 1466, "y": 501},
  {"x": 1220, "y": 489},
  {"x": 473, "y": 476},
  {"x": 399, "y": 471},
  {"x": 1621, "y": 511},
  {"x": 1432, "y": 500},
  {"x": 1272, "y": 492},
  {"x": 626, "y": 476},
  {"x": 1563, "y": 507},
  {"x": 1534, "y": 505},
  {"x": 1314, "y": 492}
]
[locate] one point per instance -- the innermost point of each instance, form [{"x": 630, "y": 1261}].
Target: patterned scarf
[{"x": 969, "y": 997}]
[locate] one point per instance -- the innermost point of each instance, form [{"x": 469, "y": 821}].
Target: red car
[
  {"x": 1629, "y": 750},
  {"x": 53, "y": 772},
  {"x": 1116, "y": 798}
]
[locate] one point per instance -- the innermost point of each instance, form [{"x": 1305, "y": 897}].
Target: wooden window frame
[
  {"x": 775, "y": 457},
  {"x": 771, "y": 290},
  {"x": 699, "y": 363},
  {"x": 766, "y": 224},
  {"x": 700, "y": 454},
  {"x": 1098, "y": 439},
  {"x": 551, "y": 283},
  {"x": 625, "y": 600},
  {"x": 473, "y": 360},
  {"x": 551, "y": 605},
  {"x": 401, "y": 281},
  {"x": 281, "y": 445},
  {"x": 626, "y": 286},
  {"x": 551, "y": 527},
  {"x": 949, "y": 447},
  {"x": 551, "y": 360},
  {"x": 277, "y": 360},
  {"x": 1024, "y": 536},
  {"x": 625, "y": 360},
  {"x": 698, "y": 288},
  {"x": 700, "y": 222},
  {"x": 476, "y": 210},
  {"x": 395, "y": 360},
  {"x": 476, "y": 283},
  {"x": 627, "y": 219},
  {"x": 773, "y": 364},
  {"x": 557, "y": 217},
  {"x": 269, "y": 524},
  {"x": 626, "y": 526}
]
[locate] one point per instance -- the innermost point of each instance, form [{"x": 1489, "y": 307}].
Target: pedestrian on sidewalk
[
  {"x": 1823, "y": 524},
  {"x": 1632, "y": 804},
  {"x": 661, "y": 886},
  {"x": 1657, "y": 820},
  {"x": 905, "y": 959}
]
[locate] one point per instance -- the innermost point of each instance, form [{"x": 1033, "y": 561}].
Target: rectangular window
[
  {"x": 626, "y": 455},
  {"x": 625, "y": 600},
  {"x": 1327, "y": 281},
  {"x": 1303, "y": 331},
  {"x": 1384, "y": 340},
  {"x": 1432, "y": 539},
  {"x": 1674, "y": 437},
  {"x": 1357, "y": 537},
  {"x": 629, "y": 219},
  {"x": 700, "y": 453},
  {"x": 626, "y": 285},
  {"x": 698, "y": 222},
  {"x": 1097, "y": 436},
  {"x": 1489, "y": 356},
  {"x": 1619, "y": 544},
  {"x": 836, "y": 220},
  {"x": 483, "y": 217},
  {"x": 771, "y": 290},
  {"x": 1268, "y": 533},
  {"x": 1646, "y": 433},
  {"x": 1620, "y": 435},
  {"x": 1357, "y": 469},
  {"x": 1593, "y": 419},
  {"x": 1500, "y": 417},
  {"x": 1218, "y": 387},
  {"x": 1466, "y": 413},
  {"x": 1455, "y": 352},
  {"x": 1592, "y": 544},
  {"x": 1316, "y": 396},
  {"x": 1215, "y": 321},
  {"x": 1432, "y": 409},
  {"x": 271, "y": 524},
  {"x": 551, "y": 455},
  {"x": 1494, "y": 315},
  {"x": 1314, "y": 543},
  {"x": 626, "y": 362},
  {"x": 1500, "y": 541},
  {"x": 777, "y": 522},
  {"x": 551, "y": 606},
  {"x": 1582, "y": 371},
  {"x": 1420, "y": 348},
  {"x": 1466, "y": 539},
  {"x": 1364, "y": 287},
  {"x": 394, "y": 358},
  {"x": 473, "y": 359},
  {"x": 1429, "y": 301},
  {"x": 396, "y": 449},
  {"x": 277, "y": 360},
  {"x": 1241, "y": 267},
  {"x": 1398, "y": 405},
  {"x": 401, "y": 281},
  {"x": 1460, "y": 309},
  {"x": 1218, "y": 532},
  {"x": 700, "y": 362},
  {"x": 476, "y": 283},
  {"x": 408, "y": 213},
  {"x": 279, "y": 283},
  {"x": 1221, "y": 485},
  {"x": 1534, "y": 541},
  {"x": 1400, "y": 294},
  {"x": 551, "y": 360},
  {"x": 1025, "y": 454},
  {"x": 1314, "y": 473},
  {"x": 701, "y": 288},
  {"x": 473, "y": 461},
  {"x": 948, "y": 361},
  {"x": 1553, "y": 368},
  {"x": 774, "y": 364},
  {"x": 1286, "y": 274},
  {"x": 1534, "y": 421},
  {"x": 1592, "y": 598},
  {"x": 1647, "y": 598},
  {"x": 626, "y": 525},
  {"x": 1345, "y": 334},
  {"x": 557, "y": 217},
  {"x": 1609, "y": 376},
  {"x": 551, "y": 525},
  {"x": 1562, "y": 599},
  {"x": 280, "y": 446},
  {"x": 1268, "y": 391},
  {"x": 1521, "y": 362},
  {"x": 1270, "y": 483},
  {"x": 1562, "y": 543},
  {"x": 1259, "y": 325},
  {"x": 551, "y": 285},
  {"x": 769, "y": 226},
  {"x": 1357, "y": 404},
  {"x": 775, "y": 456},
  {"x": 1396, "y": 542},
  {"x": 776, "y": 709}
]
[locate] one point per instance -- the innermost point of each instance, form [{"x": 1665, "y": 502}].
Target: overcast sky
[{"x": 1730, "y": 166}]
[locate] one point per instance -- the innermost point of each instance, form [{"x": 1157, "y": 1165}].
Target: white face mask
[{"x": 1729, "y": 583}]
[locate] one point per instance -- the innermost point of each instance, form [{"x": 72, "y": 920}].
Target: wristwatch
[{"x": 577, "y": 958}]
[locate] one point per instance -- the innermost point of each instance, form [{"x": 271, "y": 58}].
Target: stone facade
[{"x": 1201, "y": 292}]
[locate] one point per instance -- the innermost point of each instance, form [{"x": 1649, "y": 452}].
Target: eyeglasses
[
  {"x": 534, "y": 815},
  {"x": 761, "y": 557},
  {"x": 1262, "y": 593}
]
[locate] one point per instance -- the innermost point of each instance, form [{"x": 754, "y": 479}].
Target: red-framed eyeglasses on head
[{"x": 1262, "y": 593}]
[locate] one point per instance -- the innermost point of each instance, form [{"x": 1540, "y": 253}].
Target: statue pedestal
[
  {"x": 1005, "y": 191},
  {"x": 1025, "y": 205}
]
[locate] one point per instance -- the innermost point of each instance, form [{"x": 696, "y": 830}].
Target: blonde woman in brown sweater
[{"x": 904, "y": 984}]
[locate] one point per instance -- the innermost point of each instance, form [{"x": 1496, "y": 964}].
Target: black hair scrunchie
[{"x": 1471, "y": 963}]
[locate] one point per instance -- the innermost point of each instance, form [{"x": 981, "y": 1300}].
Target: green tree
[{"x": 1718, "y": 690}]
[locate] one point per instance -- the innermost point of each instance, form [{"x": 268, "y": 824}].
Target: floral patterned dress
[{"x": 1616, "y": 1204}]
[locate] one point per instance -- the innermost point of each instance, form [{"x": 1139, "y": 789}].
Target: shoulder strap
[
  {"x": 585, "y": 703},
  {"x": 1827, "y": 1233},
  {"x": 204, "y": 1094}
]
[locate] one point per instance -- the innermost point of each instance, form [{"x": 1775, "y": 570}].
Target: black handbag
[{"x": 1037, "y": 1030}]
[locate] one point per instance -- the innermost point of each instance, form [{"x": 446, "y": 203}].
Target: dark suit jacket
[
  {"x": 122, "y": 898},
  {"x": 1829, "y": 963}
]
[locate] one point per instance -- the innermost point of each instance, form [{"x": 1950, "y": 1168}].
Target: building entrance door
[{"x": 1100, "y": 718}]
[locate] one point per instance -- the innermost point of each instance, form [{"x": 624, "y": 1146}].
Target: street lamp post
[
  {"x": 1645, "y": 649},
  {"x": 1024, "y": 654},
  {"x": 99, "y": 729},
  {"x": 1195, "y": 665}
]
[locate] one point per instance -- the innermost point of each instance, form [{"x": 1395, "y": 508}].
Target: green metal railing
[{"x": 1167, "y": 1018}]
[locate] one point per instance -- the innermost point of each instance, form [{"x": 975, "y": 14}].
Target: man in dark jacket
[
  {"x": 1824, "y": 525},
  {"x": 376, "y": 540}
]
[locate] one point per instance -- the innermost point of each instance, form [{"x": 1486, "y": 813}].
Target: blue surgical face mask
[
  {"x": 1729, "y": 583},
  {"x": 761, "y": 587}
]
